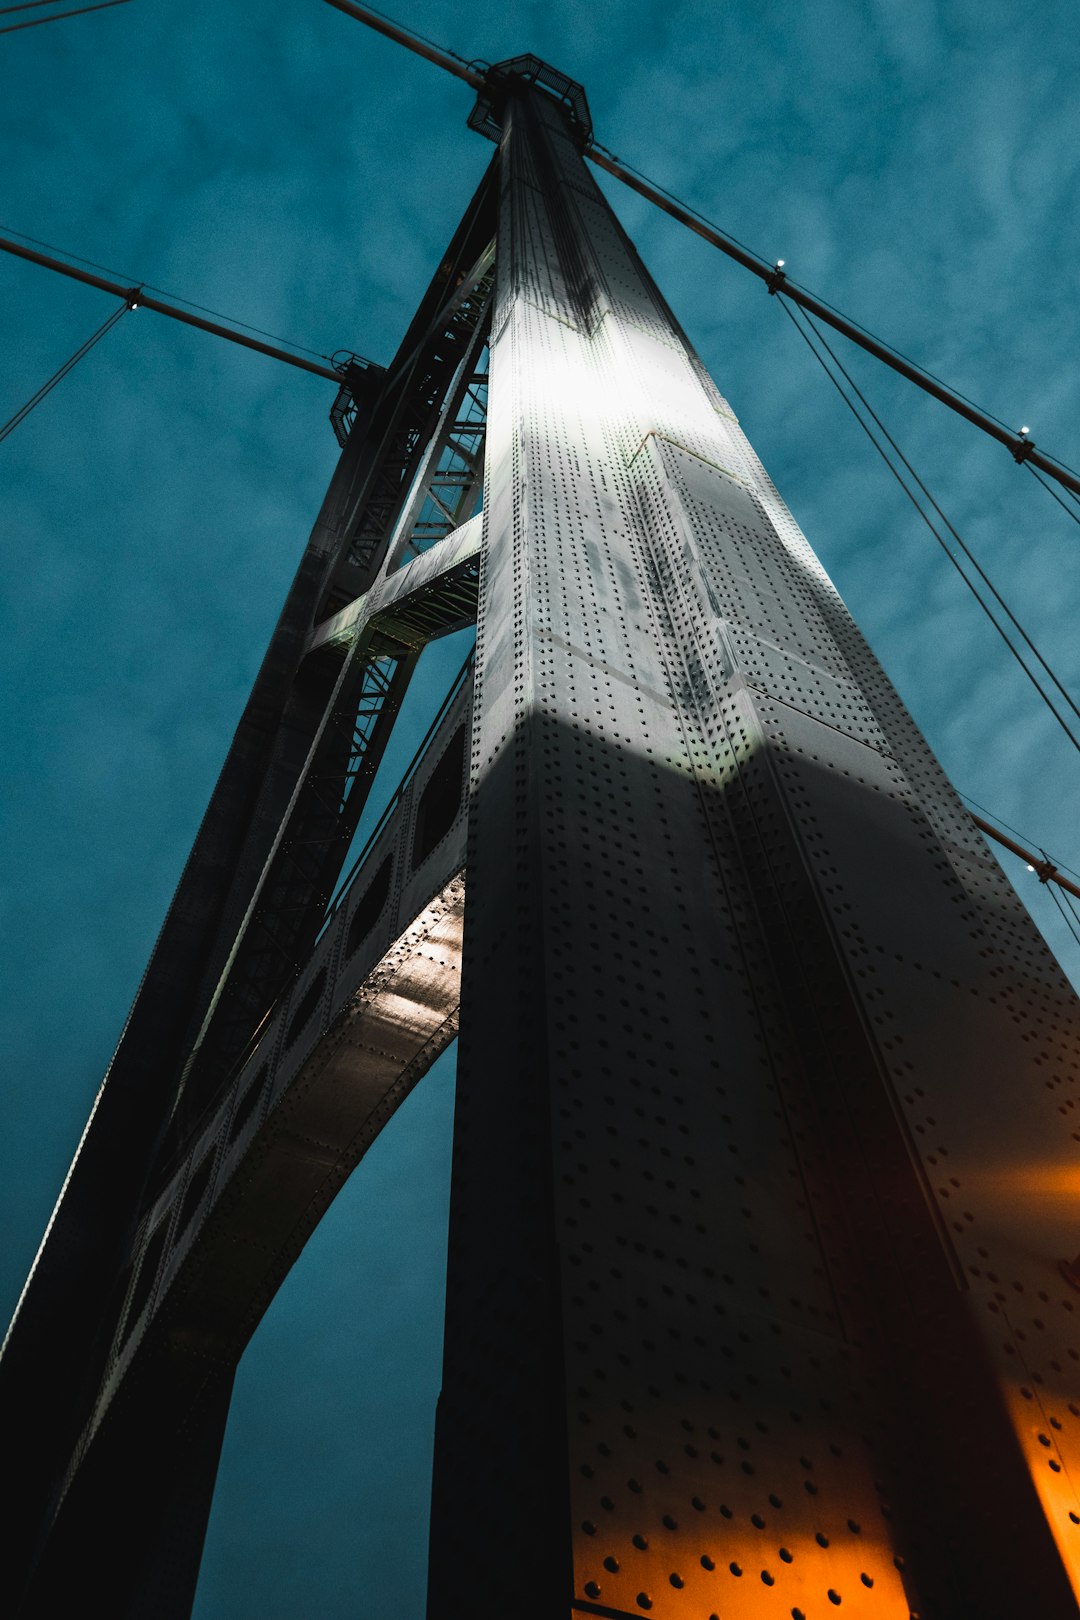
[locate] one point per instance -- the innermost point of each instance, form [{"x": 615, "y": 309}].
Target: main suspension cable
[
  {"x": 58, "y": 376},
  {"x": 27, "y": 5},
  {"x": 1046, "y": 870},
  {"x": 775, "y": 277},
  {"x": 161, "y": 308},
  {"x": 784, "y": 282},
  {"x": 58, "y": 16},
  {"x": 382, "y": 24},
  {"x": 148, "y": 286},
  {"x": 939, "y": 537},
  {"x": 1009, "y": 828}
]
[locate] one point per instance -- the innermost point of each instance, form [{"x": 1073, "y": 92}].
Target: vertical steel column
[{"x": 753, "y": 1304}]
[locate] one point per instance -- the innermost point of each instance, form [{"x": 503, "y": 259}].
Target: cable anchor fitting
[
  {"x": 1045, "y": 870},
  {"x": 1022, "y": 447},
  {"x": 133, "y": 297},
  {"x": 776, "y": 278}
]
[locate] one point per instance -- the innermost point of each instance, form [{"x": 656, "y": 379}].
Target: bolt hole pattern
[{"x": 679, "y": 633}]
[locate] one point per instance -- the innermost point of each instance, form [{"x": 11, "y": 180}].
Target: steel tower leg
[
  {"x": 753, "y": 1304},
  {"x": 272, "y": 1036}
]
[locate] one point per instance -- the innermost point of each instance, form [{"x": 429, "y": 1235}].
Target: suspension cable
[
  {"x": 58, "y": 16},
  {"x": 1068, "y": 915},
  {"x": 27, "y": 5},
  {"x": 1044, "y": 868},
  {"x": 1003, "y": 823},
  {"x": 1071, "y": 509},
  {"x": 148, "y": 286},
  {"x": 1071, "y": 903},
  {"x": 783, "y": 282},
  {"x": 382, "y": 24},
  {"x": 1014, "y": 621},
  {"x": 774, "y": 276},
  {"x": 58, "y": 376},
  {"x": 939, "y": 537},
  {"x": 162, "y": 308}
]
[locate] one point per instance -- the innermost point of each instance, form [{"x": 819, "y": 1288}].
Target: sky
[{"x": 914, "y": 163}]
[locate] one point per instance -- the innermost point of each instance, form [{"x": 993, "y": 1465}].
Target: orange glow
[
  {"x": 739, "y": 1572},
  {"x": 1040, "y": 1417}
]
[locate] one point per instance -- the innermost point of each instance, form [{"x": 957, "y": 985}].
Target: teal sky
[{"x": 915, "y": 163}]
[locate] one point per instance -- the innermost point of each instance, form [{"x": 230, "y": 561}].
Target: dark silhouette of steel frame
[{"x": 754, "y": 1303}]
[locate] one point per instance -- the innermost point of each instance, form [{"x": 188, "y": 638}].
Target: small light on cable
[
  {"x": 1024, "y": 445},
  {"x": 1031, "y": 868},
  {"x": 780, "y": 265},
  {"x": 776, "y": 278}
]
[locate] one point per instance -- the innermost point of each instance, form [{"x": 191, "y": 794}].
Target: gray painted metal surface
[{"x": 766, "y": 1080}]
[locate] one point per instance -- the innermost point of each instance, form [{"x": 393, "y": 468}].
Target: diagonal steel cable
[
  {"x": 58, "y": 376},
  {"x": 57, "y": 16},
  {"x": 914, "y": 498}
]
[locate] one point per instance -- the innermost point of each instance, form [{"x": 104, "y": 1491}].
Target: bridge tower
[{"x": 754, "y": 1303}]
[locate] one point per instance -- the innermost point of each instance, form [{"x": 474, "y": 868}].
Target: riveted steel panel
[{"x": 761, "y": 1064}]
